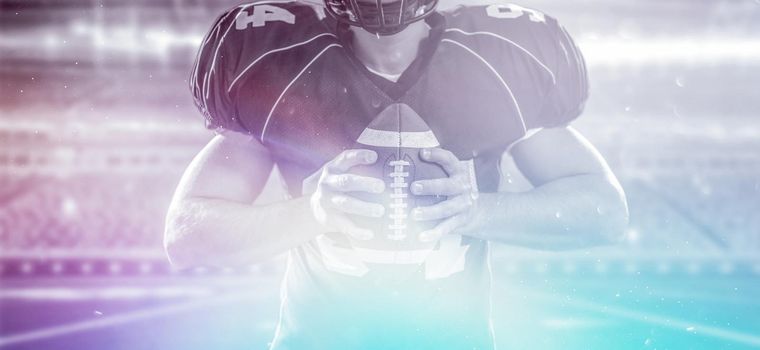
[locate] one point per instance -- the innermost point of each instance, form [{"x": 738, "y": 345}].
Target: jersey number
[
  {"x": 514, "y": 11},
  {"x": 263, "y": 14}
]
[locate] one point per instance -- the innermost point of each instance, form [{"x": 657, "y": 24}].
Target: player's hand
[
  {"x": 460, "y": 205},
  {"x": 331, "y": 202}
]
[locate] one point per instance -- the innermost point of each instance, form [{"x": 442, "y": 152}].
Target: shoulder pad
[
  {"x": 499, "y": 18},
  {"x": 239, "y": 40},
  {"x": 502, "y": 29}
]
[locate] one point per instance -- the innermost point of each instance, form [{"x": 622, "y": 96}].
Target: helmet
[{"x": 379, "y": 17}]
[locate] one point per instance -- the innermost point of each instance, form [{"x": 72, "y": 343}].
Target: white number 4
[
  {"x": 514, "y": 11},
  {"x": 263, "y": 14}
]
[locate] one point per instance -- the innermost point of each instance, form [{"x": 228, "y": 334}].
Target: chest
[{"x": 468, "y": 106}]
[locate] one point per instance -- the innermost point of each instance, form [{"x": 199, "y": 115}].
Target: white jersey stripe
[
  {"x": 273, "y": 51},
  {"x": 221, "y": 40},
  {"x": 576, "y": 53},
  {"x": 210, "y": 35},
  {"x": 406, "y": 139},
  {"x": 401, "y": 13},
  {"x": 554, "y": 80},
  {"x": 506, "y": 86},
  {"x": 276, "y": 102},
  {"x": 216, "y": 54},
  {"x": 213, "y": 32},
  {"x": 528, "y": 134}
]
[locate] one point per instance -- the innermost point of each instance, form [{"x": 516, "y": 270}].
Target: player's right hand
[{"x": 331, "y": 202}]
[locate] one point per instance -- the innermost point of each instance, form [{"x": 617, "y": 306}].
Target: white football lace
[{"x": 398, "y": 199}]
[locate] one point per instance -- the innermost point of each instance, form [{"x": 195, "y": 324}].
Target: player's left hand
[{"x": 460, "y": 205}]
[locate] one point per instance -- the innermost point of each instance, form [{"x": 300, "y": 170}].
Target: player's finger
[
  {"x": 447, "y": 160},
  {"x": 350, "y": 205},
  {"x": 440, "y": 187},
  {"x": 446, "y": 227},
  {"x": 442, "y": 210},
  {"x": 346, "y": 226},
  {"x": 351, "y": 158},
  {"x": 354, "y": 183}
]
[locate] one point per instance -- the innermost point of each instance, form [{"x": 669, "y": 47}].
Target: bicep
[
  {"x": 232, "y": 166},
  {"x": 554, "y": 153}
]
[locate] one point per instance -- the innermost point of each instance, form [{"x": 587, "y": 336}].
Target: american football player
[{"x": 294, "y": 85}]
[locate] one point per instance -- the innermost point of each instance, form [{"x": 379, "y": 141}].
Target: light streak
[{"x": 613, "y": 51}]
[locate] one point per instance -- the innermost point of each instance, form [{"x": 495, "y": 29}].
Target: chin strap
[
  {"x": 385, "y": 31},
  {"x": 379, "y": 18}
]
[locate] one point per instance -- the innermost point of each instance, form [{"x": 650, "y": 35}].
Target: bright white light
[
  {"x": 69, "y": 207},
  {"x": 98, "y": 37},
  {"x": 572, "y": 323},
  {"x": 613, "y": 51},
  {"x": 108, "y": 293},
  {"x": 632, "y": 235},
  {"x": 51, "y": 41},
  {"x": 124, "y": 38},
  {"x": 80, "y": 28},
  {"x": 160, "y": 40}
]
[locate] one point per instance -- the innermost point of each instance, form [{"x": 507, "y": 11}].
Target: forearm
[
  {"x": 567, "y": 213},
  {"x": 203, "y": 231}
]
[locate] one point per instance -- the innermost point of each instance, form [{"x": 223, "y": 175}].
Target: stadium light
[{"x": 616, "y": 51}]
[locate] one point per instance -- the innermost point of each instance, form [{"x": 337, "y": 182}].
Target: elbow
[
  {"x": 613, "y": 219},
  {"x": 185, "y": 252},
  {"x": 177, "y": 251},
  {"x": 179, "y": 237},
  {"x": 178, "y": 258},
  {"x": 189, "y": 244}
]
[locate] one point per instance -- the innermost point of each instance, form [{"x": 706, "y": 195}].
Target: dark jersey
[{"x": 485, "y": 78}]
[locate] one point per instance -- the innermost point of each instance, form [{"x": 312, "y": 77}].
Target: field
[
  {"x": 97, "y": 125},
  {"x": 535, "y": 305}
]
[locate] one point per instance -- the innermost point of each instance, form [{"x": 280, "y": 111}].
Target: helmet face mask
[{"x": 379, "y": 17}]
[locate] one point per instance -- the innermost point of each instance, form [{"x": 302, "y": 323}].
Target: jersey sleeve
[
  {"x": 534, "y": 55},
  {"x": 210, "y": 77},
  {"x": 566, "y": 96},
  {"x": 249, "y": 58}
]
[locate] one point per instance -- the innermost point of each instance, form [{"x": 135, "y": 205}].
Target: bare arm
[
  {"x": 212, "y": 219},
  {"x": 576, "y": 200}
]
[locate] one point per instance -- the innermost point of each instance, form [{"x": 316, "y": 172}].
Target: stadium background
[{"x": 97, "y": 124}]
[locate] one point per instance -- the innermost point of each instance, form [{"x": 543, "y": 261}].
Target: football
[{"x": 397, "y": 134}]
